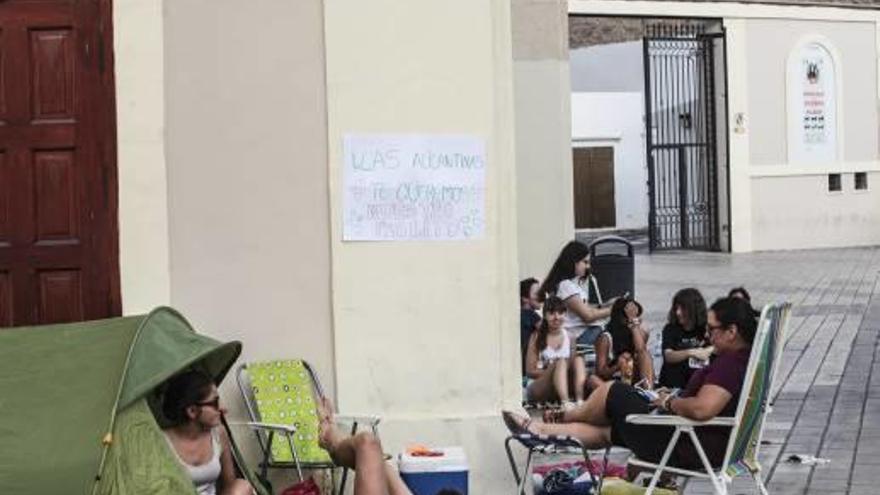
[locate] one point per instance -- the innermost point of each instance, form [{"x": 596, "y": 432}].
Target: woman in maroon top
[{"x": 712, "y": 391}]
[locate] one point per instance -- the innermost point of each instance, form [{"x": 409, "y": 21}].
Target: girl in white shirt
[
  {"x": 568, "y": 279},
  {"x": 554, "y": 370}
]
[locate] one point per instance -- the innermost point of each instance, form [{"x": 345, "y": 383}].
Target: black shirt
[{"x": 676, "y": 375}]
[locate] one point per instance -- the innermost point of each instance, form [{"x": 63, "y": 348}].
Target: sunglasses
[{"x": 215, "y": 403}]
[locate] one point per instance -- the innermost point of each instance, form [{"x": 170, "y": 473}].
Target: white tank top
[
  {"x": 549, "y": 354},
  {"x": 204, "y": 476}
]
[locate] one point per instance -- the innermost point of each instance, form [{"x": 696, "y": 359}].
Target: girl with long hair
[
  {"x": 568, "y": 280},
  {"x": 684, "y": 339},
  {"x": 554, "y": 370},
  {"x": 624, "y": 344}
]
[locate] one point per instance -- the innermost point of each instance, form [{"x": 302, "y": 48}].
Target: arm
[
  {"x": 587, "y": 313},
  {"x": 604, "y": 368},
  {"x": 643, "y": 359},
  {"x": 532, "y": 370},
  {"x": 708, "y": 402},
  {"x": 672, "y": 356}
]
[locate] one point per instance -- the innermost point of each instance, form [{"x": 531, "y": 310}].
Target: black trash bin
[{"x": 613, "y": 264}]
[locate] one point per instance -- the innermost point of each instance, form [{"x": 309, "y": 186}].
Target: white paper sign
[
  {"x": 413, "y": 187},
  {"x": 812, "y": 106}
]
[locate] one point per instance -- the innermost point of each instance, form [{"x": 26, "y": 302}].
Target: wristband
[{"x": 667, "y": 402}]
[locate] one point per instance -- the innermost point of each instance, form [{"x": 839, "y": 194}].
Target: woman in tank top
[
  {"x": 196, "y": 436},
  {"x": 554, "y": 370}
]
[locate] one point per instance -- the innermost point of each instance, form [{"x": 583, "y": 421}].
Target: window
[
  {"x": 861, "y": 181},
  {"x": 834, "y": 184}
]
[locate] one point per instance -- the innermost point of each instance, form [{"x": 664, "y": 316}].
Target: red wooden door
[{"x": 58, "y": 234}]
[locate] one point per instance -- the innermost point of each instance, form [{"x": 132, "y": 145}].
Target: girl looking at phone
[{"x": 624, "y": 344}]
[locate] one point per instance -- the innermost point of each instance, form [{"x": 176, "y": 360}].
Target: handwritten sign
[
  {"x": 413, "y": 187},
  {"x": 812, "y": 106}
]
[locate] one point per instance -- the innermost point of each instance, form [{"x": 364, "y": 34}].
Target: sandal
[
  {"x": 555, "y": 415},
  {"x": 515, "y": 425}
]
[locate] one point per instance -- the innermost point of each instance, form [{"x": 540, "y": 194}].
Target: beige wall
[
  {"x": 790, "y": 203},
  {"x": 545, "y": 197},
  {"x": 140, "y": 121},
  {"x": 770, "y": 42},
  {"x": 798, "y": 211},
  {"x": 425, "y": 332},
  {"x": 247, "y": 174}
]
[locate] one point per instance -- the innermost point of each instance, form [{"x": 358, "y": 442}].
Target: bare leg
[
  {"x": 593, "y": 410},
  {"x": 363, "y": 453},
  {"x": 543, "y": 388},
  {"x": 579, "y": 376},
  {"x": 594, "y": 382},
  {"x": 593, "y": 437},
  {"x": 560, "y": 379},
  {"x": 238, "y": 487}
]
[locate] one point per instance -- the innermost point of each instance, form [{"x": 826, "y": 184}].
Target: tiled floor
[{"x": 827, "y": 398}]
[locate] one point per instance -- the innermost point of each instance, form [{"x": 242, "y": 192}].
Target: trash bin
[
  {"x": 613, "y": 264},
  {"x": 434, "y": 474}
]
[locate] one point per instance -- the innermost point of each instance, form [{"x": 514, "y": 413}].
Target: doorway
[
  {"x": 656, "y": 87},
  {"x": 58, "y": 204}
]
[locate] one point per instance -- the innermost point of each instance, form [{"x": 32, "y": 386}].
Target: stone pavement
[{"x": 827, "y": 396}]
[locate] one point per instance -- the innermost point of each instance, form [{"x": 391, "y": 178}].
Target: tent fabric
[
  {"x": 61, "y": 387},
  {"x": 140, "y": 460}
]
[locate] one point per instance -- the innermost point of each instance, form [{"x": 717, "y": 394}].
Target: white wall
[
  {"x": 140, "y": 121},
  {"x": 615, "y": 119},
  {"x": 425, "y": 332}
]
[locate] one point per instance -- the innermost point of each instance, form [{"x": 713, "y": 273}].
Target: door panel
[
  {"x": 594, "y": 187},
  {"x": 58, "y": 234}
]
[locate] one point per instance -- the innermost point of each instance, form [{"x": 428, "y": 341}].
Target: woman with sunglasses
[
  {"x": 196, "y": 436},
  {"x": 712, "y": 391}
]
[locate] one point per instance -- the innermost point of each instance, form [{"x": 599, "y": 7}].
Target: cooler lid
[{"x": 453, "y": 459}]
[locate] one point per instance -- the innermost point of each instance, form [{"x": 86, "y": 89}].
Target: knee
[
  {"x": 241, "y": 487},
  {"x": 365, "y": 440}
]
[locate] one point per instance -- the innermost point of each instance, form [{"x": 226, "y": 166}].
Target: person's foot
[
  {"x": 328, "y": 434},
  {"x": 517, "y": 423}
]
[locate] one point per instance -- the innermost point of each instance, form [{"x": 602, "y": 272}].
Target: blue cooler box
[{"x": 431, "y": 475}]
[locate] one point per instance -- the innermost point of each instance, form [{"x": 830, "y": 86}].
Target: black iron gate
[{"x": 681, "y": 137}]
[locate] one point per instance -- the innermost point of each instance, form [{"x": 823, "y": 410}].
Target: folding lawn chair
[
  {"x": 747, "y": 426},
  {"x": 550, "y": 445},
  {"x": 281, "y": 398}
]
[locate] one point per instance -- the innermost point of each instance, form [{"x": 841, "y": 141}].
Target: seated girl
[
  {"x": 712, "y": 391},
  {"x": 684, "y": 339},
  {"x": 552, "y": 366},
  {"x": 568, "y": 279},
  {"x": 622, "y": 349},
  {"x": 196, "y": 436}
]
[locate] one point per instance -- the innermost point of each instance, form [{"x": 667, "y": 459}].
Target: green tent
[{"x": 75, "y": 415}]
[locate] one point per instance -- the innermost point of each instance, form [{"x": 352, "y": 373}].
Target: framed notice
[
  {"x": 812, "y": 105},
  {"x": 401, "y": 187}
]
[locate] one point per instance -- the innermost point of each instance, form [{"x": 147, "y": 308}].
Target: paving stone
[{"x": 827, "y": 396}]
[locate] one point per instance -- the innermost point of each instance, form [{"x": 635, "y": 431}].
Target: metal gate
[{"x": 681, "y": 137}]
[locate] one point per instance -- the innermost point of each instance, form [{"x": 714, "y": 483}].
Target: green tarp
[{"x": 63, "y": 388}]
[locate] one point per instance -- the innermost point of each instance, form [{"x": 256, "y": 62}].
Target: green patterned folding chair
[
  {"x": 746, "y": 426},
  {"x": 281, "y": 398}
]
